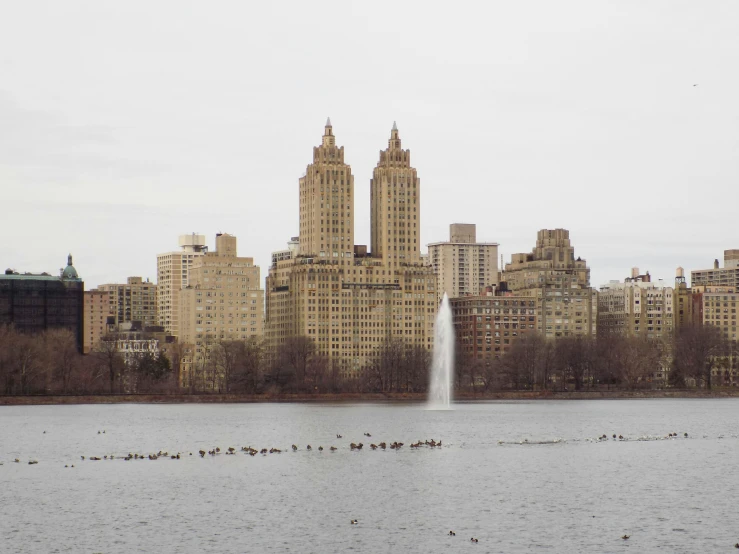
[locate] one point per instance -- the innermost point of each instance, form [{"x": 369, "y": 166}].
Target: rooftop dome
[{"x": 70, "y": 272}]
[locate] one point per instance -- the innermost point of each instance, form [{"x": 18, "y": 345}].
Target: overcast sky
[{"x": 125, "y": 124}]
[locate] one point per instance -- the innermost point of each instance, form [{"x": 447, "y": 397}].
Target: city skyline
[{"x": 619, "y": 136}]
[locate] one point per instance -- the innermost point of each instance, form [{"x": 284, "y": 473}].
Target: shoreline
[{"x": 416, "y": 398}]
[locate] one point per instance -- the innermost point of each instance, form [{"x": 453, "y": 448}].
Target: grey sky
[{"x": 125, "y": 124}]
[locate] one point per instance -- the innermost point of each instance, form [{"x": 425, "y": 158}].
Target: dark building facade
[
  {"x": 488, "y": 326},
  {"x": 34, "y": 303}
]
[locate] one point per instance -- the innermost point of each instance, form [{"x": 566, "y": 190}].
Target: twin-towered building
[{"x": 347, "y": 299}]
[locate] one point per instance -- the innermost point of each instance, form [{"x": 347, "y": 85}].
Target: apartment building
[
  {"x": 347, "y": 299},
  {"x": 223, "y": 301},
  {"x": 718, "y": 304},
  {"x": 462, "y": 265},
  {"x": 132, "y": 301},
  {"x": 560, "y": 283},
  {"x": 173, "y": 272},
  {"x": 97, "y": 319},
  {"x": 637, "y": 307},
  {"x": 488, "y": 326},
  {"x": 727, "y": 276}
]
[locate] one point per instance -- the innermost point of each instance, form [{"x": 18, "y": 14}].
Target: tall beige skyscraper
[
  {"x": 173, "y": 270},
  {"x": 395, "y": 196},
  {"x": 327, "y": 202},
  {"x": 464, "y": 266},
  {"x": 347, "y": 300},
  {"x": 223, "y": 301}
]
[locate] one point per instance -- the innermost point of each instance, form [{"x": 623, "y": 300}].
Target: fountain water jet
[{"x": 442, "y": 366}]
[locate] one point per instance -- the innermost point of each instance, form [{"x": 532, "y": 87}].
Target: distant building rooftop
[{"x": 69, "y": 273}]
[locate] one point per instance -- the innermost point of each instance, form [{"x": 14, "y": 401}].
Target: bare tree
[
  {"x": 61, "y": 356},
  {"x": 27, "y": 363},
  {"x": 252, "y": 357},
  {"x": 112, "y": 360},
  {"x": 529, "y": 361},
  {"x": 296, "y": 354},
  {"x": 638, "y": 359},
  {"x": 697, "y": 351},
  {"x": 574, "y": 360}
]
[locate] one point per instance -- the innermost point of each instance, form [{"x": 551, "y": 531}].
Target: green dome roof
[{"x": 70, "y": 272}]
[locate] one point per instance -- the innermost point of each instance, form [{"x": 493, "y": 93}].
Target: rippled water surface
[{"x": 489, "y": 480}]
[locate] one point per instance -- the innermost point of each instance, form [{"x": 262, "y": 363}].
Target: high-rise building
[
  {"x": 173, "y": 271},
  {"x": 566, "y": 305},
  {"x": 97, "y": 319},
  {"x": 327, "y": 202},
  {"x": 347, "y": 300},
  {"x": 637, "y": 307},
  {"x": 727, "y": 276},
  {"x": 134, "y": 301},
  {"x": 464, "y": 266},
  {"x": 37, "y": 302},
  {"x": 222, "y": 302},
  {"x": 718, "y": 304},
  {"x": 395, "y": 199}
]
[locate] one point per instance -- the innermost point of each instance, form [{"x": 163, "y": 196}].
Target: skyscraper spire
[
  {"x": 328, "y": 133},
  {"x": 394, "y": 142}
]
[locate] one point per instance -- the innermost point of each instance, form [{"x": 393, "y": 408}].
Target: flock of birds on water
[
  {"x": 374, "y": 446},
  {"x": 358, "y": 446},
  {"x": 215, "y": 451},
  {"x": 605, "y": 438}
]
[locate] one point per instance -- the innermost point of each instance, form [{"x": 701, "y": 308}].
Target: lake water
[{"x": 571, "y": 494}]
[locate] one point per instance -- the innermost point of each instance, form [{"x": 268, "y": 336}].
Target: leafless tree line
[
  {"x": 696, "y": 356},
  {"x": 297, "y": 366},
  {"x": 49, "y": 363}
]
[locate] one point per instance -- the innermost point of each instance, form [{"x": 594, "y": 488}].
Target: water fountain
[{"x": 442, "y": 366}]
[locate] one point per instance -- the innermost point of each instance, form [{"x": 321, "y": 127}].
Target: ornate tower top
[
  {"x": 395, "y": 155},
  {"x": 328, "y": 134},
  {"x": 326, "y": 203},
  {"x": 69, "y": 272}
]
